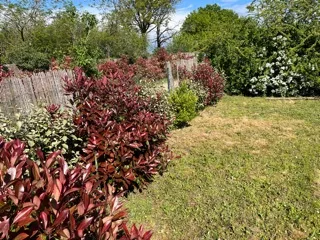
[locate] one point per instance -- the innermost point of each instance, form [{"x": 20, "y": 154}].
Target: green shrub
[
  {"x": 29, "y": 59},
  {"x": 184, "y": 102},
  {"x": 85, "y": 58},
  {"x": 48, "y": 128}
]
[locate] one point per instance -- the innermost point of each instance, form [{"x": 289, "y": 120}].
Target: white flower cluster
[{"x": 278, "y": 76}]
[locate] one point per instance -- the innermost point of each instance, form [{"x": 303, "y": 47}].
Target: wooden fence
[
  {"x": 20, "y": 94},
  {"x": 188, "y": 63}
]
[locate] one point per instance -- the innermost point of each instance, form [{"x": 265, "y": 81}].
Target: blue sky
[
  {"x": 187, "y": 6},
  {"x": 237, "y": 5}
]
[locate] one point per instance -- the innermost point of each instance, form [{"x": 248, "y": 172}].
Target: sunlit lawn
[{"x": 249, "y": 169}]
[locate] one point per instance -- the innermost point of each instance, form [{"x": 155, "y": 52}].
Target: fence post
[{"x": 170, "y": 77}]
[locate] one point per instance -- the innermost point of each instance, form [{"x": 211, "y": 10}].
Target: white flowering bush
[{"x": 281, "y": 72}]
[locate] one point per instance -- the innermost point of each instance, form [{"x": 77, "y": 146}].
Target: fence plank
[{"x": 21, "y": 94}]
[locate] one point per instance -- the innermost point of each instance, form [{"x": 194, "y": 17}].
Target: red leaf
[
  {"x": 119, "y": 215},
  {"x": 89, "y": 186},
  {"x": 147, "y": 235},
  {"x": 19, "y": 190},
  {"x": 134, "y": 231},
  {"x": 4, "y": 227},
  {"x": 24, "y": 213},
  {"x": 83, "y": 225},
  {"x": 71, "y": 191},
  {"x": 36, "y": 202},
  {"x": 51, "y": 158},
  {"x": 21, "y": 236},
  {"x": 57, "y": 189},
  {"x": 62, "y": 216},
  {"x": 81, "y": 208},
  {"x": 44, "y": 218},
  {"x": 107, "y": 223},
  {"x": 25, "y": 221},
  {"x": 36, "y": 171}
]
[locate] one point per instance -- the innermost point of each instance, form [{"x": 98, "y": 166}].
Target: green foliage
[
  {"x": 28, "y": 58},
  {"x": 225, "y": 38},
  {"x": 70, "y": 33},
  {"x": 85, "y": 58},
  {"x": 289, "y": 59},
  {"x": 45, "y": 130},
  {"x": 184, "y": 102},
  {"x": 242, "y": 47}
]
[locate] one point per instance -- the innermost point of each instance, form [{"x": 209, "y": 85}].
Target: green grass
[{"x": 249, "y": 169}]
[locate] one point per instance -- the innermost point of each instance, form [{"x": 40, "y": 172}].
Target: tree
[
  {"x": 228, "y": 40},
  {"x": 146, "y": 15}
]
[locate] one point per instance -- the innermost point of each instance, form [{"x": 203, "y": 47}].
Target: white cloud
[
  {"x": 241, "y": 9},
  {"x": 93, "y": 10},
  {"x": 179, "y": 16}
]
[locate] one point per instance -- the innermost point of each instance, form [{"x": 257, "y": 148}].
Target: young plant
[{"x": 184, "y": 102}]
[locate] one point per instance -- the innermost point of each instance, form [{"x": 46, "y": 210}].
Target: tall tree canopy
[
  {"x": 145, "y": 15},
  {"x": 225, "y": 38}
]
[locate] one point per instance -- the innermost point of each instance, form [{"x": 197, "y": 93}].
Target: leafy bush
[
  {"x": 149, "y": 69},
  {"x": 48, "y": 128},
  {"x": 279, "y": 73},
  {"x": 211, "y": 80},
  {"x": 184, "y": 102},
  {"x": 126, "y": 141},
  {"x": 158, "y": 98},
  {"x": 29, "y": 59},
  {"x": 85, "y": 57},
  {"x": 205, "y": 81},
  {"x": 50, "y": 201},
  {"x": 200, "y": 92},
  {"x": 184, "y": 73},
  {"x": 122, "y": 65}
]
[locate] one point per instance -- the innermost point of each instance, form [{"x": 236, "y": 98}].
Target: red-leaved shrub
[
  {"x": 50, "y": 201},
  {"x": 211, "y": 80},
  {"x": 149, "y": 69},
  {"x": 126, "y": 141},
  {"x": 162, "y": 56},
  {"x": 205, "y": 75}
]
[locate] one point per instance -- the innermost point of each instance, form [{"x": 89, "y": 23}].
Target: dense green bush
[
  {"x": 184, "y": 103},
  {"x": 48, "y": 128},
  {"x": 29, "y": 59}
]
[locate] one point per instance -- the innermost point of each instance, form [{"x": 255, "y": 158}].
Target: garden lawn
[{"x": 249, "y": 169}]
